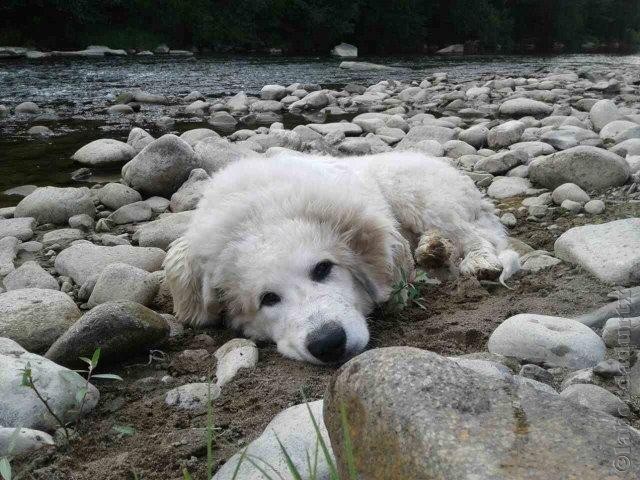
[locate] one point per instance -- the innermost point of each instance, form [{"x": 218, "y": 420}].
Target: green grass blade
[
  {"x": 348, "y": 447},
  {"x": 186, "y": 475},
  {"x": 108, "y": 376},
  {"x": 95, "y": 358},
  {"x": 262, "y": 470},
  {"x": 239, "y": 464},
  {"x": 333, "y": 472},
  {"x": 290, "y": 465}
]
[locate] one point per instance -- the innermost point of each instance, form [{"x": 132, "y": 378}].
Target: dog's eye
[
  {"x": 321, "y": 270},
  {"x": 269, "y": 299}
]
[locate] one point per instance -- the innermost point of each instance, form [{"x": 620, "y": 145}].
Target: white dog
[{"x": 300, "y": 249}]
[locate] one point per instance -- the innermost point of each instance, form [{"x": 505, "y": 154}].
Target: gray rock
[
  {"x": 627, "y": 147},
  {"x": 194, "y": 136},
  {"x": 345, "y": 50},
  {"x": 20, "y": 407},
  {"x": 622, "y": 332},
  {"x": 21, "y": 441},
  {"x": 27, "y": 107},
  {"x": 158, "y": 204},
  {"x": 36, "y": 317},
  {"x": 594, "y": 207},
  {"x": 56, "y": 205},
  {"x": 571, "y": 206},
  {"x": 597, "y": 398},
  {"x": 161, "y": 232},
  {"x": 569, "y": 191},
  {"x": 30, "y": 275},
  {"x": 294, "y": 428},
  {"x": 609, "y": 251},
  {"x": 609, "y": 368},
  {"x": 84, "y": 260},
  {"x": 232, "y": 356},
  {"x": 505, "y": 134},
  {"x": 533, "y": 149},
  {"x": 502, "y": 162},
  {"x": 537, "y": 260},
  {"x": 104, "y": 151},
  {"x": 339, "y": 127},
  {"x": 223, "y": 121},
  {"x": 505, "y": 187},
  {"x": 20, "y": 228},
  {"x": 273, "y": 92},
  {"x": 122, "y": 282},
  {"x": 619, "y": 131},
  {"x": 603, "y": 112},
  {"x": 426, "y": 132},
  {"x": 40, "y": 130},
  {"x": 116, "y": 195},
  {"x": 475, "y": 136},
  {"x": 189, "y": 194},
  {"x": 263, "y": 106},
  {"x": 120, "y": 329},
  {"x": 213, "y": 154},
  {"x": 132, "y": 213},
  {"x": 9, "y": 247},
  {"x": 551, "y": 341},
  {"x": 411, "y": 406},
  {"x": 524, "y": 107},
  {"x": 458, "y": 148},
  {"x": 192, "y": 396},
  {"x": 485, "y": 367},
  {"x": 355, "y": 146},
  {"x": 62, "y": 236},
  {"x": 536, "y": 372},
  {"x": 139, "y": 138},
  {"x": 161, "y": 167},
  {"x": 590, "y": 168},
  {"x": 82, "y": 222}
]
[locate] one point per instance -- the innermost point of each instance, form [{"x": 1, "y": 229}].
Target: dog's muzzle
[{"x": 328, "y": 343}]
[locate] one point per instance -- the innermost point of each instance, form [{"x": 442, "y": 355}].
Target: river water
[{"x": 76, "y": 91}]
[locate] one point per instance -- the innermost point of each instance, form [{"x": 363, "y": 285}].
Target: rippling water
[{"x": 76, "y": 88}]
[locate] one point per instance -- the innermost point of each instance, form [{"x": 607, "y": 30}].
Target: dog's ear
[
  {"x": 383, "y": 254},
  {"x": 194, "y": 302}
]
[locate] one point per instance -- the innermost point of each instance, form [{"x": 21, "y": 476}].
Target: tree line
[{"x": 314, "y": 26}]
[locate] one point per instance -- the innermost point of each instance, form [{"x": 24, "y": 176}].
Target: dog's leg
[
  {"x": 480, "y": 260},
  {"x": 434, "y": 250}
]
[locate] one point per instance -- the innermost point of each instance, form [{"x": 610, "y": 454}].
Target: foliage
[
  {"x": 312, "y": 26},
  {"x": 406, "y": 292}
]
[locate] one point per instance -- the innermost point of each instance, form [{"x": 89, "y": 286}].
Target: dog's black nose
[{"x": 328, "y": 342}]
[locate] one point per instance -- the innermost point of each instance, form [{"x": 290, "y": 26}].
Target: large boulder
[
  {"x": 590, "y": 168},
  {"x": 84, "y": 260},
  {"x": 119, "y": 329},
  {"x": 161, "y": 167},
  {"x": 56, "y": 205},
  {"x": 36, "y": 317},
  {"x": 103, "y": 152},
  {"x": 412, "y": 414},
  {"x": 294, "y": 428},
  {"x": 20, "y": 406},
  {"x": 609, "y": 251},
  {"x": 552, "y": 341},
  {"x": 524, "y": 107}
]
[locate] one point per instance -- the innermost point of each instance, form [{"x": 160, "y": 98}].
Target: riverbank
[{"x": 555, "y": 150}]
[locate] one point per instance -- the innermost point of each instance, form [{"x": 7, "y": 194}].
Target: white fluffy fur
[{"x": 263, "y": 224}]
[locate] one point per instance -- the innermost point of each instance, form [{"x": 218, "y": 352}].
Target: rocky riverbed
[{"x": 536, "y": 381}]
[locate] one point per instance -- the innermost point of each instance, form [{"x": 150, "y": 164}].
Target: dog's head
[{"x": 299, "y": 269}]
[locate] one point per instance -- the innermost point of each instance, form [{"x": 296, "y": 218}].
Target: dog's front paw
[
  {"x": 434, "y": 251},
  {"x": 481, "y": 264}
]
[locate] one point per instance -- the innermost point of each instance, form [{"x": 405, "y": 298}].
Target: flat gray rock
[
  {"x": 36, "y": 317},
  {"x": 505, "y": 187},
  {"x": 161, "y": 232},
  {"x": 104, "y": 151},
  {"x": 590, "y": 168},
  {"x": 83, "y": 260},
  {"x": 192, "y": 396},
  {"x": 524, "y": 107},
  {"x": 415, "y": 415},
  {"x": 25, "y": 440},
  {"x": 20, "y": 407},
  {"x": 116, "y": 195},
  {"x": 622, "y": 332},
  {"x": 546, "y": 340},
  {"x": 56, "y": 205},
  {"x": 609, "y": 251},
  {"x": 593, "y": 396},
  {"x": 120, "y": 329}
]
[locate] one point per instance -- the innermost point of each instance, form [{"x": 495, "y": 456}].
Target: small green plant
[
  {"x": 81, "y": 394},
  {"x": 124, "y": 430},
  {"x": 406, "y": 292}
]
